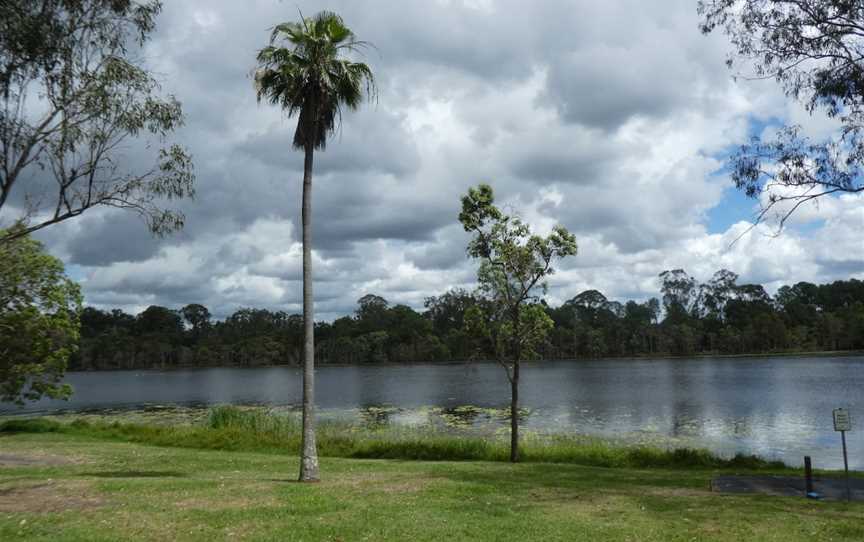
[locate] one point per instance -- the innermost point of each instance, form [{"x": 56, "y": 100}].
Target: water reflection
[{"x": 779, "y": 407}]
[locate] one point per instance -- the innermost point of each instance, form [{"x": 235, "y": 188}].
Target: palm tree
[{"x": 304, "y": 70}]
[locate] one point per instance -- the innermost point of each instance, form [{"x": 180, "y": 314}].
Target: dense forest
[{"x": 717, "y": 317}]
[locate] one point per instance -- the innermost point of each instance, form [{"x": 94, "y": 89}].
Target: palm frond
[{"x": 303, "y": 71}]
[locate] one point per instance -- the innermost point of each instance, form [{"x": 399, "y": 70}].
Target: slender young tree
[
  {"x": 510, "y": 323},
  {"x": 307, "y": 71}
]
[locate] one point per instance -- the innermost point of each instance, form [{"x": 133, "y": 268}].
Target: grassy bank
[
  {"x": 69, "y": 487},
  {"x": 259, "y": 430}
]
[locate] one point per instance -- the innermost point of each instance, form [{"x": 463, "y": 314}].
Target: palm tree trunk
[{"x": 309, "y": 451}]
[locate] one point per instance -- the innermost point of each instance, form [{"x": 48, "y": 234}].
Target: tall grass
[{"x": 233, "y": 428}]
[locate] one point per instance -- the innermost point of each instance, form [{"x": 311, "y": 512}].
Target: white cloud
[{"x": 611, "y": 118}]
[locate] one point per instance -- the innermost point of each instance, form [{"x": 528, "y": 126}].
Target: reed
[{"x": 262, "y": 430}]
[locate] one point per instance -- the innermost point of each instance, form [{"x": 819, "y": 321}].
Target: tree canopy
[
  {"x": 306, "y": 72},
  {"x": 72, "y": 97},
  {"x": 814, "y": 49},
  {"x": 39, "y": 322},
  {"x": 514, "y": 265}
]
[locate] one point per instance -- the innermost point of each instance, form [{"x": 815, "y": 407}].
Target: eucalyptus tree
[
  {"x": 198, "y": 317},
  {"x": 307, "y": 70},
  {"x": 814, "y": 50},
  {"x": 680, "y": 295},
  {"x": 514, "y": 264},
  {"x": 73, "y": 96}
]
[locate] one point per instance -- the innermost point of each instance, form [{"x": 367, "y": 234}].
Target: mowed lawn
[{"x": 67, "y": 487}]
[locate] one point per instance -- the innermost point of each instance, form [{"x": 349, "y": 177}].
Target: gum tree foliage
[
  {"x": 73, "y": 97},
  {"x": 680, "y": 295},
  {"x": 306, "y": 71},
  {"x": 814, "y": 50},
  {"x": 514, "y": 264},
  {"x": 371, "y": 312},
  {"x": 447, "y": 310},
  {"x": 198, "y": 317},
  {"x": 714, "y": 296},
  {"x": 447, "y": 314},
  {"x": 39, "y": 322}
]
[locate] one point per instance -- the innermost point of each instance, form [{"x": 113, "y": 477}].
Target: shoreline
[
  {"x": 256, "y": 428},
  {"x": 231, "y": 428},
  {"x": 797, "y": 354}
]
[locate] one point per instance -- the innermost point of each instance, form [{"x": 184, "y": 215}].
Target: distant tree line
[{"x": 716, "y": 317}]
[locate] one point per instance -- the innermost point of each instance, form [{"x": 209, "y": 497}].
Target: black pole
[
  {"x": 846, "y": 467},
  {"x": 808, "y": 476}
]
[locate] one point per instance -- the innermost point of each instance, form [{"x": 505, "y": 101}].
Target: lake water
[{"x": 775, "y": 407}]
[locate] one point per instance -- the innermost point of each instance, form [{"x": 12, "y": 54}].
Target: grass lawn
[{"x": 56, "y": 486}]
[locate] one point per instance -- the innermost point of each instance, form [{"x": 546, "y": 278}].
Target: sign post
[{"x": 843, "y": 423}]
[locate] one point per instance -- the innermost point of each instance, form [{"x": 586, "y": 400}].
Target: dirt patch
[
  {"x": 38, "y": 459},
  {"x": 386, "y": 482},
  {"x": 552, "y": 494},
  {"x": 48, "y": 497},
  {"x": 404, "y": 486},
  {"x": 236, "y": 503},
  {"x": 678, "y": 492},
  {"x": 241, "y": 497}
]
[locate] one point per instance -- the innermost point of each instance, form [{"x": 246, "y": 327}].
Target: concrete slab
[{"x": 788, "y": 486}]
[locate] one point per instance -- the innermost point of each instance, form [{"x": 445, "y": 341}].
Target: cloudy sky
[{"x": 611, "y": 118}]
